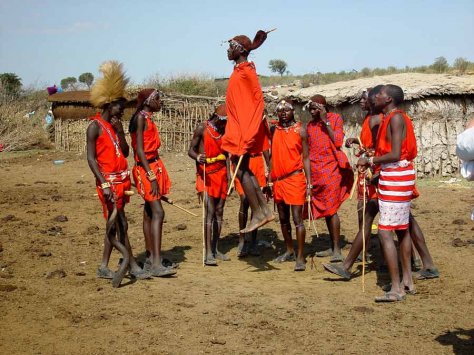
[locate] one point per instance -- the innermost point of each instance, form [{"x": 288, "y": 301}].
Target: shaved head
[{"x": 395, "y": 92}]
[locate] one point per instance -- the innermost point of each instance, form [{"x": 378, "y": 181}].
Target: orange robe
[
  {"x": 289, "y": 181},
  {"x": 112, "y": 165},
  {"x": 257, "y": 167},
  {"x": 216, "y": 173},
  {"x": 246, "y": 131},
  {"x": 151, "y": 144}
]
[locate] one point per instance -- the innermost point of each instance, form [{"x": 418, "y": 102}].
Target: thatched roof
[
  {"x": 80, "y": 96},
  {"x": 415, "y": 86}
]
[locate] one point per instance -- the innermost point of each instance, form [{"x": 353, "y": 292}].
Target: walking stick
[
  {"x": 363, "y": 237},
  {"x": 171, "y": 202},
  {"x": 234, "y": 175},
  {"x": 204, "y": 202}
]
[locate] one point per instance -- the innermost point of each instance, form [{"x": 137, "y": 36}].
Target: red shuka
[
  {"x": 112, "y": 165},
  {"x": 151, "y": 144},
  {"x": 384, "y": 146},
  {"x": 216, "y": 173},
  {"x": 257, "y": 167},
  {"x": 289, "y": 181},
  {"x": 245, "y": 132}
]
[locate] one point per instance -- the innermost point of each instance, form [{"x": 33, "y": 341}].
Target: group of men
[{"x": 300, "y": 165}]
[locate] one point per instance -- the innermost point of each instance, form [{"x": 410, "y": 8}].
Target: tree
[
  {"x": 440, "y": 65},
  {"x": 86, "y": 78},
  {"x": 69, "y": 82},
  {"x": 461, "y": 64},
  {"x": 11, "y": 83},
  {"x": 277, "y": 66}
]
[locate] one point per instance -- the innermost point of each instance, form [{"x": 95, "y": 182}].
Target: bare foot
[
  {"x": 210, "y": 260},
  {"x": 257, "y": 222},
  {"x": 221, "y": 256}
]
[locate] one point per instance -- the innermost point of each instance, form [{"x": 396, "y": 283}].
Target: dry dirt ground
[{"x": 52, "y": 303}]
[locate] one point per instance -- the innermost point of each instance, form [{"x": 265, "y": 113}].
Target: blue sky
[{"x": 44, "y": 41}]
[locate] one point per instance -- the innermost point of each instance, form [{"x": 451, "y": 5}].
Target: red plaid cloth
[{"x": 331, "y": 174}]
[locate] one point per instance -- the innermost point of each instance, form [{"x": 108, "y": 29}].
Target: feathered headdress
[
  {"x": 249, "y": 45},
  {"x": 111, "y": 86}
]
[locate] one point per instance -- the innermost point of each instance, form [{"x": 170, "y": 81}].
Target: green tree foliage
[
  {"x": 440, "y": 65},
  {"x": 461, "y": 64},
  {"x": 69, "y": 83},
  {"x": 277, "y": 66},
  {"x": 10, "y": 83},
  {"x": 86, "y": 78}
]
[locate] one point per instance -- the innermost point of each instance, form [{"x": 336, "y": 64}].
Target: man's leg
[
  {"x": 210, "y": 209},
  {"x": 147, "y": 215},
  {"x": 297, "y": 212},
  {"x": 103, "y": 271},
  {"x": 135, "y": 270},
  {"x": 334, "y": 227},
  {"x": 390, "y": 252},
  {"x": 284, "y": 216},
  {"x": 405, "y": 257},
  {"x": 420, "y": 244},
  {"x": 243, "y": 216},
  {"x": 156, "y": 229},
  {"x": 261, "y": 214},
  {"x": 217, "y": 228}
]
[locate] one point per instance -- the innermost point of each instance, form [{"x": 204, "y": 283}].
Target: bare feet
[
  {"x": 105, "y": 273},
  {"x": 257, "y": 222},
  {"x": 300, "y": 265},
  {"x": 221, "y": 256},
  {"x": 210, "y": 260},
  {"x": 287, "y": 256}
]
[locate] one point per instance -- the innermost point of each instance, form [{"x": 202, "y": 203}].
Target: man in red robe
[
  {"x": 246, "y": 133},
  {"x": 107, "y": 152},
  {"x": 331, "y": 173},
  {"x": 212, "y": 178}
]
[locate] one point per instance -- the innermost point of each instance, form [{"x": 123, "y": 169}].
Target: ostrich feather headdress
[{"x": 111, "y": 86}]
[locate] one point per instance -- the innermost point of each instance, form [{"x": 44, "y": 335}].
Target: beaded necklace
[{"x": 209, "y": 124}]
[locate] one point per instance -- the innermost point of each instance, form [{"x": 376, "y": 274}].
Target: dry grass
[{"x": 17, "y": 130}]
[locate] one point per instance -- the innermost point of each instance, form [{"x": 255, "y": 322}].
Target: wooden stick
[
  {"x": 204, "y": 203},
  {"x": 363, "y": 239},
  {"x": 273, "y": 29},
  {"x": 171, "y": 202},
  {"x": 234, "y": 175}
]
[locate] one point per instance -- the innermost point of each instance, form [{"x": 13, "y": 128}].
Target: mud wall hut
[
  {"x": 176, "y": 121},
  {"x": 439, "y": 105}
]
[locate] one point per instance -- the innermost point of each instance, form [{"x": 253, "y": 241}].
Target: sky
[{"x": 43, "y": 41}]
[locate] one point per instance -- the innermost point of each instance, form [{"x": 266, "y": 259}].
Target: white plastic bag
[{"x": 465, "y": 145}]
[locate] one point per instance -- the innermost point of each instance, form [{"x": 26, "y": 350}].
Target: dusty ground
[{"x": 52, "y": 303}]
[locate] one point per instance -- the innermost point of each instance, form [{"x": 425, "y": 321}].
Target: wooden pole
[
  {"x": 363, "y": 237},
  {"x": 204, "y": 203},
  {"x": 234, "y": 175}
]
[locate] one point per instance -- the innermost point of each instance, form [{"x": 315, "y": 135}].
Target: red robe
[
  {"x": 151, "y": 144},
  {"x": 331, "y": 173},
  {"x": 289, "y": 181},
  {"x": 112, "y": 165},
  {"x": 257, "y": 167},
  {"x": 245, "y": 132},
  {"x": 216, "y": 173}
]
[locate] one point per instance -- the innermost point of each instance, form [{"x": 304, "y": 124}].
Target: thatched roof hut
[
  {"x": 439, "y": 105},
  {"x": 176, "y": 121}
]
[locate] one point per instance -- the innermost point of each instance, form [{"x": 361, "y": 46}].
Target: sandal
[
  {"x": 162, "y": 271},
  {"x": 338, "y": 270},
  {"x": 105, "y": 273},
  {"x": 337, "y": 258},
  {"x": 300, "y": 266},
  {"x": 390, "y": 297},
  {"x": 210, "y": 261},
  {"x": 426, "y": 274},
  {"x": 141, "y": 274},
  {"x": 324, "y": 253},
  {"x": 220, "y": 256},
  {"x": 284, "y": 257},
  {"x": 407, "y": 290}
]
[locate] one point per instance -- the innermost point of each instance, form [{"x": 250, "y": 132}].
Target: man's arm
[
  {"x": 306, "y": 162},
  {"x": 92, "y": 134},
  {"x": 193, "y": 151},
  {"x": 118, "y": 128}
]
